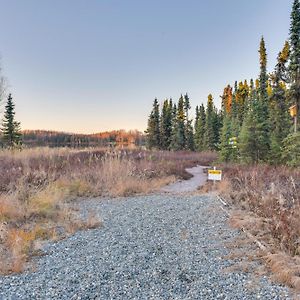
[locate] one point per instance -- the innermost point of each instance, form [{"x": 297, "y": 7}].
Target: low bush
[
  {"x": 272, "y": 193},
  {"x": 267, "y": 203}
]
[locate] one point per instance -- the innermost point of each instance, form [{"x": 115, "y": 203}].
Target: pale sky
[{"x": 89, "y": 66}]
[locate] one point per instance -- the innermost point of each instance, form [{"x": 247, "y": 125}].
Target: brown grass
[
  {"x": 285, "y": 269},
  {"x": 267, "y": 202},
  {"x": 273, "y": 195},
  {"x": 37, "y": 187}
]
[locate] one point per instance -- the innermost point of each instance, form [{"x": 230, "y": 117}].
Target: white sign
[{"x": 215, "y": 175}]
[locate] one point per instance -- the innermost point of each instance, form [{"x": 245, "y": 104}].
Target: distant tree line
[
  {"x": 254, "y": 123},
  {"x": 116, "y": 138}
]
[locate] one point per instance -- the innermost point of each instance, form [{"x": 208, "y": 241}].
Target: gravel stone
[{"x": 150, "y": 247}]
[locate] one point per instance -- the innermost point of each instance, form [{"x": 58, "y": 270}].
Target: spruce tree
[
  {"x": 180, "y": 131},
  {"x": 172, "y": 113},
  {"x": 153, "y": 129},
  {"x": 187, "y": 105},
  {"x": 173, "y": 144},
  {"x": 189, "y": 134},
  {"x": 200, "y": 129},
  {"x": 263, "y": 77},
  {"x": 11, "y": 132},
  {"x": 166, "y": 125},
  {"x": 197, "y": 118},
  {"x": 255, "y": 133},
  {"x": 251, "y": 92},
  {"x": 252, "y": 143},
  {"x": 210, "y": 128},
  {"x": 262, "y": 108},
  {"x": 279, "y": 120},
  {"x": 234, "y": 105},
  {"x": 294, "y": 67},
  {"x": 218, "y": 123},
  {"x": 248, "y": 143},
  {"x": 190, "y": 144}
]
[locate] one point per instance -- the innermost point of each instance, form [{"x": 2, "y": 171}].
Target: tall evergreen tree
[
  {"x": 294, "y": 67},
  {"x": 11, "y": 132},
  {"x": 189, "y": 134},
  {"x": 255, "y": 131},
  {"x": 262, "y": 108},
  {"x": 210, "y": 133},
  {"x": 217, "y": 125},
  {"x": 197, "y": 117},
  {"x": 166, "y": 125},
  {"x": 153, "y": 129},
  {"x": 173, "y": 143},
  {"x": 248, "y": 142},
  {"x": 180, "y": 125},
  {"x": 187, "y": 105},
  {"x": 234, "y": 105},
  {"x": 200, "y": 129},
  {"x": 279, "y": 120},
  {"x": 263, "y": 76}
]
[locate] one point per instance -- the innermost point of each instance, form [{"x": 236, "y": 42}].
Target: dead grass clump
[
  {"x": 267, "y": 199},
  {"x": 19, "y": 242},
  {"x": 10, "y": 209},
  {"x": 247, "y": 221},
  {"x": 285, "y": 269},
  {"x": 272, "y": 194}
]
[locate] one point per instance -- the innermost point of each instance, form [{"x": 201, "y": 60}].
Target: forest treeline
[
  {"x": 115, "y": 138},
  {"x": 255, "y": 121}
]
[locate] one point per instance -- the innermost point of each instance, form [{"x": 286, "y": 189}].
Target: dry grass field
[
  {"x": 37, "y": 187},
  {"x": 267, "y": 203}
]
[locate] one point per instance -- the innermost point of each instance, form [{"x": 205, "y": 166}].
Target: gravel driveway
[{"x": 159, "y": 246}]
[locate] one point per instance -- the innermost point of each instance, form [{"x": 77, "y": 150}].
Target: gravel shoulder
[{"x": 159, "y": 246}]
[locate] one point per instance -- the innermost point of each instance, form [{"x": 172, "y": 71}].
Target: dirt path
[{"x": 191, "y": 185}]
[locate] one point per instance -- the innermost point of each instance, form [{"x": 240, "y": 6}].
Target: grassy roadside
[
  {"x": 37, "y": 187},
  {"x": 267, "y": 204}
]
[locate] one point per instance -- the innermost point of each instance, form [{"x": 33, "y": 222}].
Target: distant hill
[{"x": 116, "y": 138}]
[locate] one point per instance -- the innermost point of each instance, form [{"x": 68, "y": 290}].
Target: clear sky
[{"x": 93, "y": 65}]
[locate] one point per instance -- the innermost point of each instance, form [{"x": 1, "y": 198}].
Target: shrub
[{"x": 272, "y": 193}]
